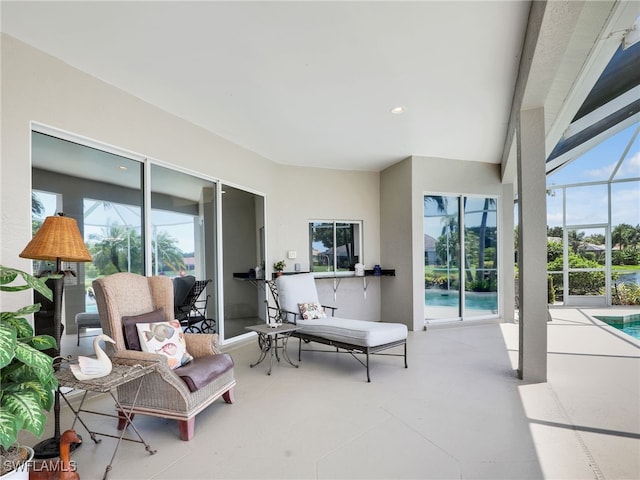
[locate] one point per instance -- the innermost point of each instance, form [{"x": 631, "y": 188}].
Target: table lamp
[{"x": 57, "y": 239}]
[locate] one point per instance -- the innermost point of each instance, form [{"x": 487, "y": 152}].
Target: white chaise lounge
[{"x": 298, "y": 292}]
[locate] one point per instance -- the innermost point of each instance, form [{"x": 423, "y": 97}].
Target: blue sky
[{"x": 588, "y": 205}]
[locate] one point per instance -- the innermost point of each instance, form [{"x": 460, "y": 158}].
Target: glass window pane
[
  {"x": 114, "y": 234},
  {"x": 183, "y": 239},
  {"x": 481, "y": 242},
  {"x": 103, "y": 193},
  {"x": 441, "y": 257},
  {"x": 242, "y": 223},
  {"x": 322, "y": 250},
  {"x": 347, "y": 235}
]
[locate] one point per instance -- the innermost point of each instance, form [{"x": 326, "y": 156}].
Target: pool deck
[
  {"x": 594, "y": 387},
  {"x": 457, "y": 413}
]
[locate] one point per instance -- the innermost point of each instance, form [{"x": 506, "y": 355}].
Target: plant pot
[{"x": 21, "y": 472}]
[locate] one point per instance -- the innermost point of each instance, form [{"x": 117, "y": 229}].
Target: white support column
[{"x": 532, "y": 246}]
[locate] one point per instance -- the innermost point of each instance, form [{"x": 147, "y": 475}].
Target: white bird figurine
[{"x": 88, "y": 368}]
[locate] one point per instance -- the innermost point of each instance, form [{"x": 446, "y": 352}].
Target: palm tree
[
  {"x": 167, "y": 251},
  {"x": 488, "y": 202},
  {"x": 117, "y": 249}
]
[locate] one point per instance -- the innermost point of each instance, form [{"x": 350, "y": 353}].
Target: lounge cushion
[
  {"x": 356, "y": 332},
  {"x": 201, "y": 371},
  {"x": 130, "y": 331}
]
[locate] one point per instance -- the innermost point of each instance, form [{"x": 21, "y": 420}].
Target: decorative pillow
[
  {"x": 309, "y": 311},
  {"x": 165, "y": 338},
  {"x": 131, "y": 339}
]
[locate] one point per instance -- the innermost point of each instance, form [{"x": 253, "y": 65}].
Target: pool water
[
  {"x": 632, "y": 329},
  {"x": 629, "y": 324},
  {"x": 449, "y": 298}
]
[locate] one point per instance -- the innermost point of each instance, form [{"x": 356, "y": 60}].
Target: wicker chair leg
[
  {"x": 187, "y": 428},
  {"x": 228, "y": 396},
  {"x": 122, "y": 420}
]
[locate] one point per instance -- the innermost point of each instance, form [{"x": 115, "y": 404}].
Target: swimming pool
[
  {"x": 450, "y": 298},
  {"x": 629, "y": 324}
]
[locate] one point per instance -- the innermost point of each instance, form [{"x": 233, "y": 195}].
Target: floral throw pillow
[
  {"x": 310, "y": 311},
  {"x": 165, "y": 338}
]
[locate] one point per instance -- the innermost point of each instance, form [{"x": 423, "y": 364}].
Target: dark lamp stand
[{"x": 57, "y": 239}]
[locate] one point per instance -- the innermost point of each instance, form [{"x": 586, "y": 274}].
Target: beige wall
[
  {"x": 305, "y": 194},
  {"x": 402, "y": 225},
  {"x": 39, "y": 88},
  {"x": 397, "y": 300}
]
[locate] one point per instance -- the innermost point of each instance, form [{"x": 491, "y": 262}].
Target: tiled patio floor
[{"x": 457, "y": 412}]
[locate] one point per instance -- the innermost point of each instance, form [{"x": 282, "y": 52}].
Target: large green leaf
[
  {"x": 26, "y": 405},
  {"x": 8, "y": 342},
  {"x": 22, "y": 326},
  {"x": 38, "y": 361},
  {"x": 10, "y": 425},
  {"x": 44, "y": 391},
  {"x": 8, "y": 275},
  {"x": 42, "y": 342},
  {"x": 29, "y": 309}
]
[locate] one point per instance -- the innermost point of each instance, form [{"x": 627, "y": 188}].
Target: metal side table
[
  {"x": 120, "y": 374},
  {"x": 268, "y": 337}
]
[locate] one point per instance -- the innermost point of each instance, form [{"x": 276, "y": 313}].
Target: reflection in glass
[
  {"x": 113, "y": 231},
  {"x": 322, "y": 251},
  {"x": 242, "y": 243},
  {"x": 183, "y": 230},
  {"x": 345, "y": 236}
]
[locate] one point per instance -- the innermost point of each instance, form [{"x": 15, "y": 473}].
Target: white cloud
[
  {"x": 602, "y": 173},
  {"x": 631, "y": 166}
]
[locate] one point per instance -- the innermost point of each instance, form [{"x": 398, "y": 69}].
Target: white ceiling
[{"x": 304, "y": 83}]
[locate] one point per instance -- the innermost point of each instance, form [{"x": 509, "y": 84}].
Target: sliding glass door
[
  {"x": 139, "y": 216},
  {"x": 441, "y": 257},
  {"x": 460, "y": 257}
]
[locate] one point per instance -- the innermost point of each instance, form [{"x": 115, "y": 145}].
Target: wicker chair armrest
[
  {"x": 202, "y": 344},
  {"x": 134, "y": 356},
  {"x": 156, "y": 381}
]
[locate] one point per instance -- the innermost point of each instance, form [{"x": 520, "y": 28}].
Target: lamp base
[{"x": 50, "y": 448}]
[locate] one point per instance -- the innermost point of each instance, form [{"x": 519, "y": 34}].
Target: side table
[
  {"x": 268, "y": 337},
  {"x": 120, "y": 374}
]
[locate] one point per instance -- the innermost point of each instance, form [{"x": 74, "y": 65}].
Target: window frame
[{"x": 358, "y": 243}]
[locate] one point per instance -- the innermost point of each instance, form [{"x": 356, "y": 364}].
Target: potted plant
[
  {"x": 279, "y": 266},
  {"x": 27, "y": 380}
]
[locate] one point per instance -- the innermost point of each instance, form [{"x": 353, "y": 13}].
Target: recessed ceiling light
[
  {"x": 122, "y": 167},
  {"x": 398, "y": 110}
]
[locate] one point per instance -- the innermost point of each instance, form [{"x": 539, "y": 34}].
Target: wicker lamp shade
[{"x": 58, "y": 239}]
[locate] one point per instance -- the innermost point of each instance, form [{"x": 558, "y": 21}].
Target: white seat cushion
[{"x": 356, "y": 332}]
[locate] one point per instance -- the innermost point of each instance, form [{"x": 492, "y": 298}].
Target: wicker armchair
[{"x": 164, "y": 393}]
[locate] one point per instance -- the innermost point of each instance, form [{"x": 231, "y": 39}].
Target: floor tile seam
[
  {"x": 179, "y": 459},
  {"x": 583, "y": 446},
  {"x": 392, "y": 416}
]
